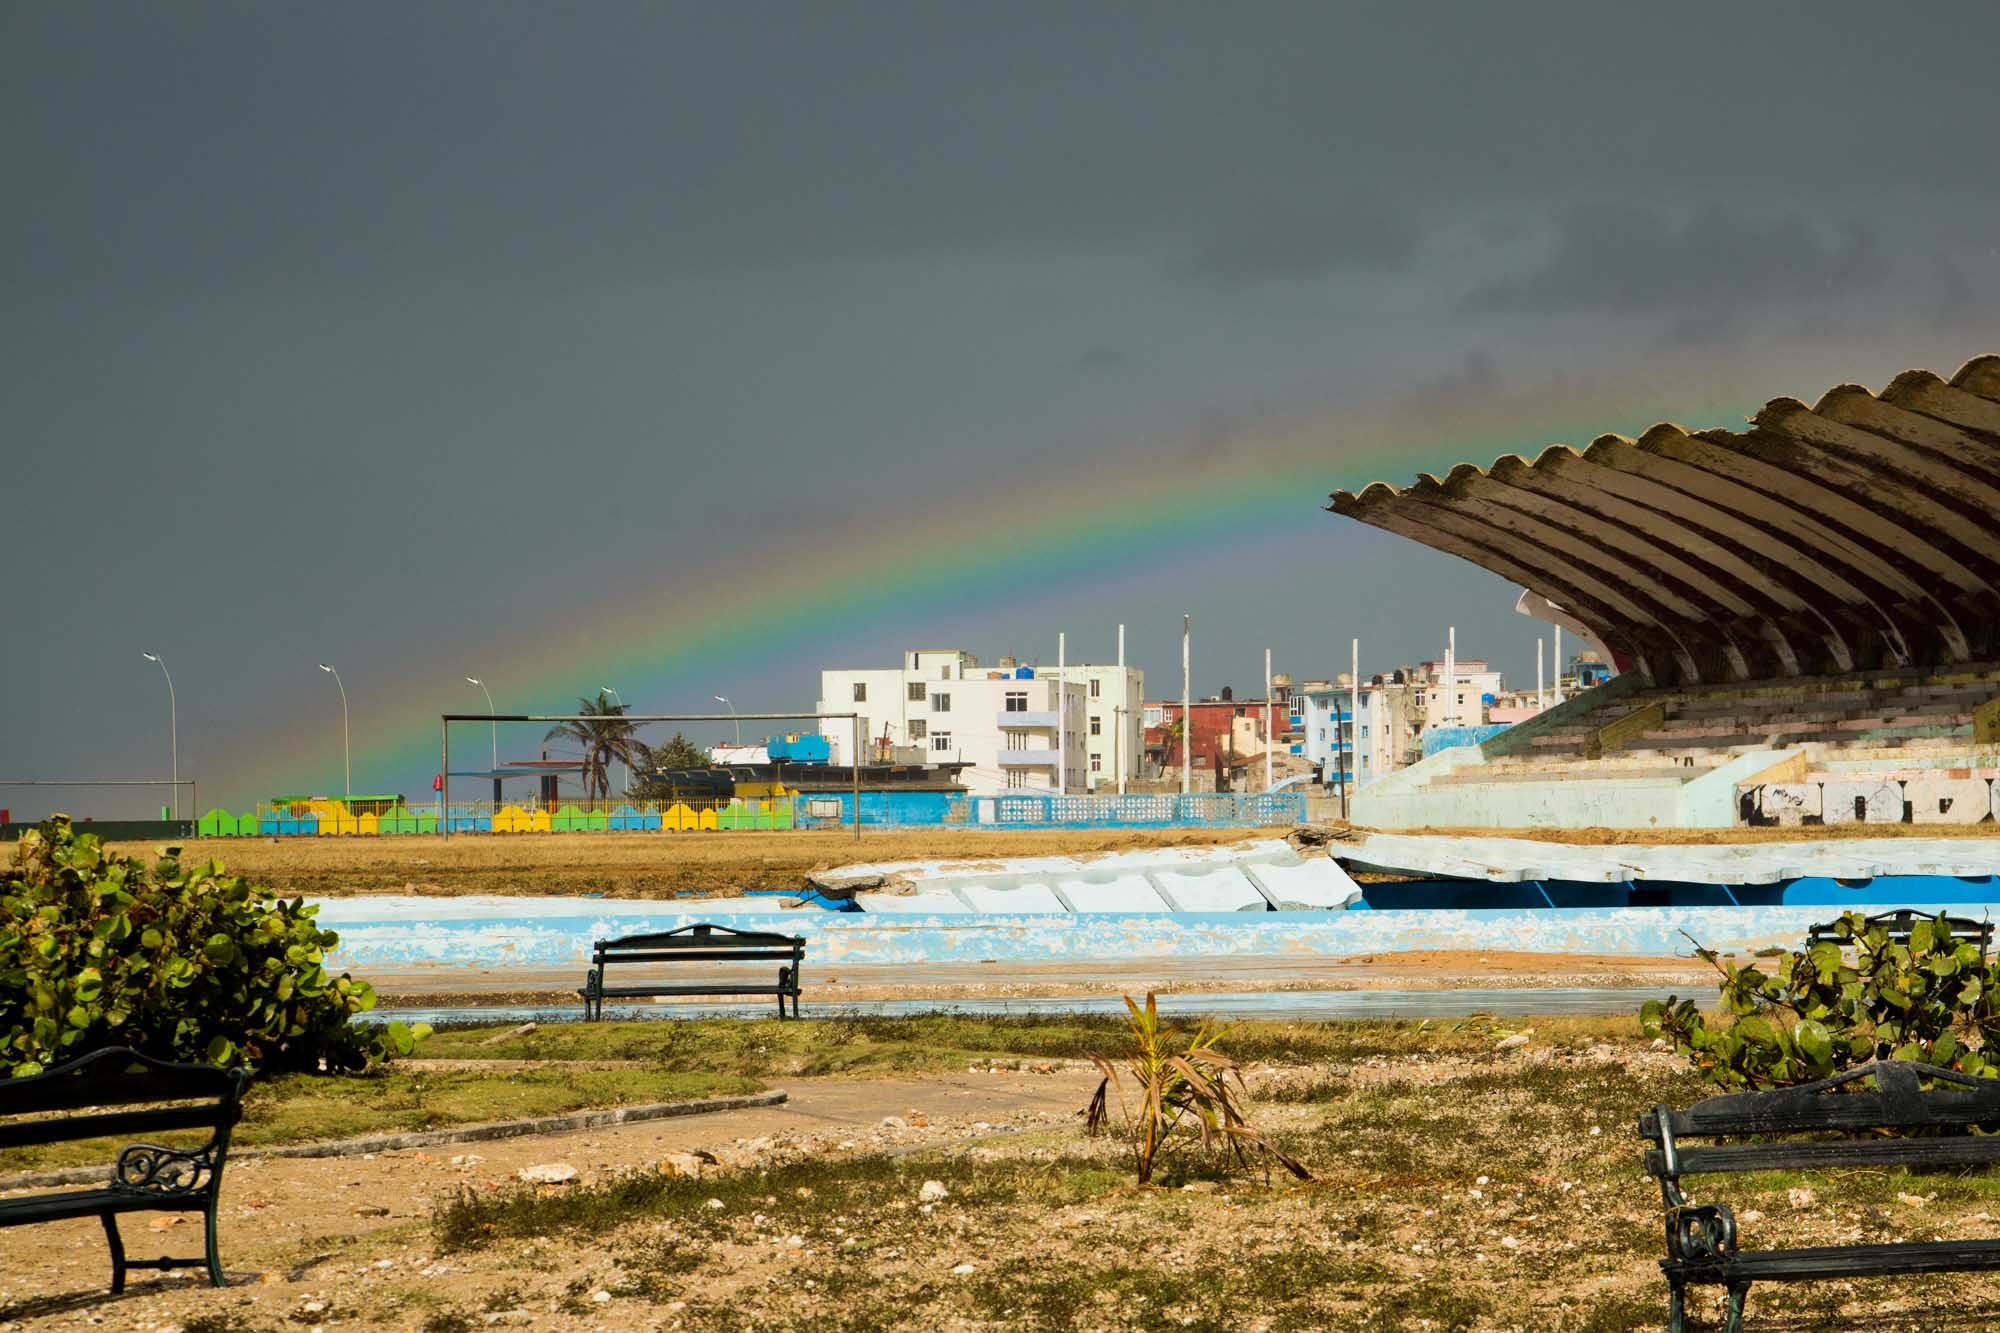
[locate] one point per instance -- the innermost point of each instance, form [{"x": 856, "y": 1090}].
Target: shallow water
[{"x": 1428, "y": 1003}]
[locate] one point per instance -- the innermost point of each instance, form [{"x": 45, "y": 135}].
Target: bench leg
[
  {"x": 117, "y": 1244},
  {"x": 1736, "y": 1296},
  {"x": 214, "y": 1253}
]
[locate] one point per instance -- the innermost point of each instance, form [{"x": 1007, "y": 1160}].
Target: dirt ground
[
  {"x": 1430, "y": 969},
  {"x": 639, "y": 865},
  {"x": 1471, "y": 1178}
]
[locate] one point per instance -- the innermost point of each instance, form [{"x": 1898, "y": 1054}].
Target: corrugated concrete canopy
[{"x": 1860, "y": 532}]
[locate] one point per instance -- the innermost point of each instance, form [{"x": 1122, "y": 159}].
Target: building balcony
[
  {"x": 1039, "y": 718},
  {"x": 1028, "y": 758}
]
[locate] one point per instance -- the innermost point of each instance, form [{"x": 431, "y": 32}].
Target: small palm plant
[{"x": 1174, "y": 1086}]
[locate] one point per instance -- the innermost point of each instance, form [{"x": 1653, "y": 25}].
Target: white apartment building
[
  {"x": 1004, "y": 723},
  {"x": 1459, "y": 702},
  {"x": 1113, "y": 721}
]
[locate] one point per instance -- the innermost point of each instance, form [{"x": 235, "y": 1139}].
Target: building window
[
  {"x": 1240, "y": 713},
  {"x": 1095, "y": 687},
  {"x": 917, "y": 728},
  {"x": 1096, "y": 726},
  {"x": 860, "y": 692},
  {"x": 916, "y": 691},
  {"x": 940, "y": 703},
  {"x": 1017, "y": 777},
  {"x": 941, "y": 742},
  {"x": 1017, "y": 701},
  {"x": 1097, "y": 763},
  {"x": 1155, "y": 716}
]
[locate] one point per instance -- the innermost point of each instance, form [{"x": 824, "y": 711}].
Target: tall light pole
[
  {"x": 732, "y": 717},
  {"x": 346, "y": 748},
  {"x": 474, "y": 680},
  {"x": 173, "y": 726},
  {"x": 612, "y": 690}
]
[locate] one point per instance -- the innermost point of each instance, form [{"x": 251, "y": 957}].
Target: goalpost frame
[{"x": 446, "y": 719}]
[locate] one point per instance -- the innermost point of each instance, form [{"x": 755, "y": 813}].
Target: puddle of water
[{"x": 1321, "y": 1005}]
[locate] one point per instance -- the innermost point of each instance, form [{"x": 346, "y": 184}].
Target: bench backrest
[
  {"x": 174, "y": 1096},
  {"x": 1842, "y": 1103},
  {"x": 698, "y": 941},
  {"x": 1897, "y": 925}
]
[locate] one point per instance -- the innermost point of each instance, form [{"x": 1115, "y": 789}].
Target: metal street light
[
  {"x": 474, "y": 680},
  {"x": 173, "y": 726},
  {"x": 346, "y": 748},
  {"x": 733, "y": 718},
  {"x": 612, "y": 690}
]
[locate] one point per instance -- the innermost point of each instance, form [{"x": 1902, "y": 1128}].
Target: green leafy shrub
[
  {"x": 1933, "y": 999},
  {"x": 181, "y": 963}
]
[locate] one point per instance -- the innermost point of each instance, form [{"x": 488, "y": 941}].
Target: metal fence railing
[{"x": 323, "y": 817}]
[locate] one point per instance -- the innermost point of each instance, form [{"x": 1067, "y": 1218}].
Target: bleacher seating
[{"x": 1864, "y": 721}]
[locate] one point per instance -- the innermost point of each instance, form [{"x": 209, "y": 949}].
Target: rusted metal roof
[{"x": 1860, "y": 532}]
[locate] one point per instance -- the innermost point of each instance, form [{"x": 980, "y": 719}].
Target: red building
[{"x": 1214, "y": 735}]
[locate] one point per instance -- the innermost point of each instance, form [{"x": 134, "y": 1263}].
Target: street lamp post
[
  {"x": 474, "y": 680},
  {"x": 346, "y": 747},
  {"x": 173, "y": 726},
  {"x": 732, "y": 717},
  {"x": 612, "y": 690}
]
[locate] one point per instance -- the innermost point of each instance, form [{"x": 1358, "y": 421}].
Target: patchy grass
[
  {"x": 641, "y": 865},
  {"x": 765, "y": 1048},
  {"x": 1458, "y": 1185},
  {"x": 300, "y": 1108}
]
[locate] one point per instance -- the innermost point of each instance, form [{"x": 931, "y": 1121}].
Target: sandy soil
[
  {"x": 353, "y": 1232},
  {"x": 640, "y": 865},
  {"x": 1435, "y": 969}
]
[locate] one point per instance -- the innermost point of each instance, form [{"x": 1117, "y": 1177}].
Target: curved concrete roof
[{"x": 1860, "y": 532}]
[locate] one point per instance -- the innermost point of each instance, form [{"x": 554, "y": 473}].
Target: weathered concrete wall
[{"x": 1411, "y": 800}]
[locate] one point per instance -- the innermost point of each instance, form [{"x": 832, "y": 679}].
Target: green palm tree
[{"x": 603, "y": 734}]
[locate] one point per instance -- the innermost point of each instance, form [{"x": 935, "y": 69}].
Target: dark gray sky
[{"x": 395, "y": 334}]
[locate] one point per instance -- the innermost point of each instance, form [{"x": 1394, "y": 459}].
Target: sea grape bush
[
  {"x": 182, "y": 962},
  {"x": 1934, "y": 999}
]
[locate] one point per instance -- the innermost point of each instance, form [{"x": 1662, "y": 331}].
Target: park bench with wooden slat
[
  {"x": 1898, "y": 923},
  {"x": 696, "y": 943},
  {"x": 1702, "y": 1240},
  {"x": 117, "y": 1092}
]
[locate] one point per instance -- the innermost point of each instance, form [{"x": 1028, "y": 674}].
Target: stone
[
  {"x": 962, "y": 1269},
  {"x": 601, "y": 1296},
  {"x": 548, "y": 1173},
  {"x": 684, "y": 1164},
  {"x": 1517, "y": 1039},
  {"x": 1801, "y": 1198},
  {"x": 933, "y": 1191},
  {"x": 894, "y": 1122}
]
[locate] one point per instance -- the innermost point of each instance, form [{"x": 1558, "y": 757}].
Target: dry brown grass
[{"x": 640, "y": 865}]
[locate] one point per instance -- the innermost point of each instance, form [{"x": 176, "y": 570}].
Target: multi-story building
[
  {"x": 1015, "y": 727},
  {"x": 1460, "y": 701},
  {"x": 1114, "y": 707},
  {"x": 1222, "y": 730}
]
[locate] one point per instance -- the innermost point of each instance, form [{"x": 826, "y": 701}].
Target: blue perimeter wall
[{"x": 438, "y": 936}]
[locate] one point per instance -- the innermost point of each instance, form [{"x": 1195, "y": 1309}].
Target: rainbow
[{"x": 695, "y": 625}]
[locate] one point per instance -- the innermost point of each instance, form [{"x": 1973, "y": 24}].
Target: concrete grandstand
[{"x": 1806, "y": 616}]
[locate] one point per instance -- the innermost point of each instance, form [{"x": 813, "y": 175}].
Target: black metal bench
[
  {"x": 696, "y": 943},
  {"x": 1896, "y": 924},
  {"x": 154, "y": 1096},
  {"x": 1701, "y": 1240}
]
